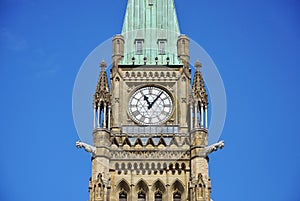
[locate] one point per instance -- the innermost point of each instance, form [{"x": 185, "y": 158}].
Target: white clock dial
[{"x": 150, "y": 105}]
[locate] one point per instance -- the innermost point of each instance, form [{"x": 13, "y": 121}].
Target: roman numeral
[
  {"x": 135, "y": 113},
  {"x": 165, "y": 113},
  {"x": 142, "y": 119}
]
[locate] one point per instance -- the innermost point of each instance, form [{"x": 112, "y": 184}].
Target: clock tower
[{"x": 150, "y": 138}]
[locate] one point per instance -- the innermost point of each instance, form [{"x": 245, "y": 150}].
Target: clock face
[{"x": 150, "y": 105}]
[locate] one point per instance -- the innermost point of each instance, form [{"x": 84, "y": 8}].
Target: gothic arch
[
  {"x": 133, "y": 74},
  {"x": 129, "y": 166},
  {"x": 150, "y": 141},
  {"x": 98, "y": 188},
  {"x": 153, "y": 166},
  {"x": 183, "y": 166},
  {"x": 144, "y": 74},
  {"x": 158, "y": 185},
  {"x": 135, "y": 166},
  {"x": 147, "y": 166},
  {"x": 141, "y": 165},
  {"x": 126, "y": 142},
  {"x": 123, "y": 186},
  {"x": 138, "y": 142},
  {"x": 165, "y": 166},
  {"x": 142, "y": 186},
  {"x": 159, "y": 166},
  {"x": 141, "y": 190},
  {"x": 177, "y": 186},
  {"x": 186, "y": 142},
  {"x": 117, "y": 166},
  {"x": 150, "y": 74},
  {"x": 115, "y": 142},
  {"x": 174, "y": 142},
  {"x": 123, "y": 166},
  {"x": 162, "y": 142},
  {"x": 200, "y": 188}
]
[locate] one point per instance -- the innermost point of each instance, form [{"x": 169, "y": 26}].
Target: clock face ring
[{"x": 150, "y": 105}]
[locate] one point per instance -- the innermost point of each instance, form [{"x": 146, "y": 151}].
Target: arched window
[
  {"x": 139, "y": 46},
  {"x": 141, "y": 196},
  {"x": 176, "y": 196},
  {"x": 142, "y": 189},
  {"x": 158, "y": 196},
  {"x": 122, "y": 196},
  {"x": 161, "y": 46},
  {"x": 178, "y": 190},
  {"x": 124, "y": 189}
]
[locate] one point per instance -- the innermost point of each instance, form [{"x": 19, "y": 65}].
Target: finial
[
  {"x": 103, "y": 65},
  {"x": 168, "y": 60},
  {"x": 156, "y": 60},
  {"x": 132, "y": 59},
  {"x": 198, "y": 65}
]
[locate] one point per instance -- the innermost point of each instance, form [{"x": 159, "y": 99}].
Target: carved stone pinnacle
[
  {"x": 103, "y": 65},
  {"x": 198, "y": 65}
]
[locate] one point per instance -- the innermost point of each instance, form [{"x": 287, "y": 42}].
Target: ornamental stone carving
[
  {"x": 87, "y": 147},
  {"x": 214, "y": 147}
]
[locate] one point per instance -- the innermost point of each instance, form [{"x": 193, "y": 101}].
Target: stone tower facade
[{"x": 150, "y": 138}]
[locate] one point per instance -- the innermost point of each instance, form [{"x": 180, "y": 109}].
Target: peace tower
[{"x": 150, "y": 137}]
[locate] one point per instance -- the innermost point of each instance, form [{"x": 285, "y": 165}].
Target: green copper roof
[{"x": 150, "y": 30}]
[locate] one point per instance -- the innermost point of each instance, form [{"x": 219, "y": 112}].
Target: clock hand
[
  {"x": 146, "y": 99},
  {"x": 151, "y": 104}
]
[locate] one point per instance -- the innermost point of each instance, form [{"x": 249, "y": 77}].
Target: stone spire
[
  {"x": 150, "y": 31},
  {"x": 198, "y": 88},
  {"x": 102, "y": 94}
]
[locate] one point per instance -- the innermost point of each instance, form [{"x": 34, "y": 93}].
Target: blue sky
[{"x": 255, "y": 45}]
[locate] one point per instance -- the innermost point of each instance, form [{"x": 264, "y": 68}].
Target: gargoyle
[
  {"x": 214, "y": 147},
  {"x": 87, "y": 147}
]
